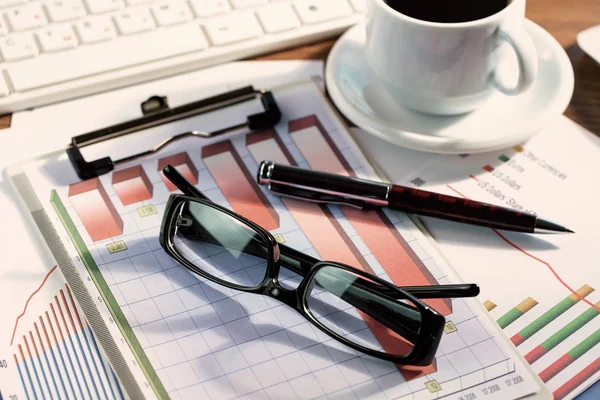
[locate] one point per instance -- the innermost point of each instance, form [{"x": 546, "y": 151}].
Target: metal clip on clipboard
[{"x": 156, "y": 111}]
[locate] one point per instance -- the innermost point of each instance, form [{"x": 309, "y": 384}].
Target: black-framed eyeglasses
[{"x": 356, "y": 308}]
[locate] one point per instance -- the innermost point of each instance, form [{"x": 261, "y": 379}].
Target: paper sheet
[
  {"x": 542, "y": 289},
  {"x": 206, "y": 341},
  {"x": 28, "y": 279}
]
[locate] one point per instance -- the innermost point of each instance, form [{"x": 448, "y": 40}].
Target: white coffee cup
[{"x": 448, "y": 68}]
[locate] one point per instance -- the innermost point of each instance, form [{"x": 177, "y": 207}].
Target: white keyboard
[{"x": 62, "y": 49}]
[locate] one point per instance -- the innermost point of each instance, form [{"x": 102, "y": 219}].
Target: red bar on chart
[
  {"x": 33, "y": 344},
  {"x": 74, "y": 307},
  {"x": 132, "y": 185},
  {"x": 68, "y": 310},
  {"x": 389, "y": 248},
  {"x": 321, "y": 228},
  {"x": 563, "y": 333},
  {"x": 183, "y": 164},
  {"x": 317, "y": 147},
  {"x": 383, "y": 240},
  {"x": 27, "y": 347},
  {"x": 21, "y": 352},
  {"x": 267, "y": 146},
  {"x": 577, "y": 380},
  {"x": 95, "y": 209},
  {"x": 238, "y": 186},
  {"x": 557, "y": 366}
]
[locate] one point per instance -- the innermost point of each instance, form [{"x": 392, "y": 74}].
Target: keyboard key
[
  {"x": 171, "y": 13},
  {"x": 278, "y": 18},
  {"x": 3, "y": 87},
  {"x": 115, "y": 54},
  {"x": 26, "y": 17},
  {"x": 248, "y": 3},
  {"x": 134, "y": 20},
  {"x": 95, "y": 29},
  {"x": 315, "y": 11},
  {"x": 18, "y": 46},
  {"x": 56, "y": 38},
  {"x": 102, "y": 6},
  {"x": 65, "y": 10},
  {"x": 232, "y": 28},
  {"x": 208, "y": 8},
  {"x": 10, "y": 3}
]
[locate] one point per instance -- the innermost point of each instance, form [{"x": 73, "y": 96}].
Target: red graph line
[
  {"x": 28, "y": 300},
  {"x": 550, "y": 268}
]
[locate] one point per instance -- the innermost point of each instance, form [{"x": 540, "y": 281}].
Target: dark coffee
[{"x": 448, "y": 10}]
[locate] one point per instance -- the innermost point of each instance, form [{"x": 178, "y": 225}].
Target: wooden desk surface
[{"x": 564, "y": 19}]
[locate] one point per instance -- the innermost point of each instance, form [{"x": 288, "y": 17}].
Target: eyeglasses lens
[
  {"x": 363, "y": 311},
  {"x": 220, "y": 244}
]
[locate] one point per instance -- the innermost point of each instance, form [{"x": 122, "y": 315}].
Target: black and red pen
[{"x": 322, "y": 187}]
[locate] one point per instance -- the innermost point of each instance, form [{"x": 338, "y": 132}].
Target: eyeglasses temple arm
[
  {"x": 181, "y": 183},
  {"x": 300, "y": 263},
  {"x": 443, "y": 291}
]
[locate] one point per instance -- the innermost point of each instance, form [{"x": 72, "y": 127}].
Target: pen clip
[{"x": 313, "y": 196}]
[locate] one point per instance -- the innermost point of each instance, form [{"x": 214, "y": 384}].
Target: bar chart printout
[
  {"x": 541, "y": 352},
  {"x": 95, "y": 209},
  {"x": 184, "y": 165},
  {"x": 132, "y": 185},
  {"x": 237, "y": 184},
  {"x": 204, "y": 340},
  {"x": 558, "y": 335},
  {"x": 55, "y": 353},
  {"x": 562, "y": 334},
  {"x": 328, "y": 236},
  {"x": 550, "y": 315}
]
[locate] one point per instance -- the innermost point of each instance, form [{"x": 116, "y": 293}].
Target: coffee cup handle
[{"x": 527, "y": 59}]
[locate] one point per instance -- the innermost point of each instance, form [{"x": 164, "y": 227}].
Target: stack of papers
[{"x": 183, "y": 337}]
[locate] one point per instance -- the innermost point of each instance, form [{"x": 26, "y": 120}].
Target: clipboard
[
  {"x": 137, "y": 381},
  {"x": 156, "y": 112}
]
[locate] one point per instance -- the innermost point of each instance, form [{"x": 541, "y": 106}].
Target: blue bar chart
[{"x": 57, "y": 355}]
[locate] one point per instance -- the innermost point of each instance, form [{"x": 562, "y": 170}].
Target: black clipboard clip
[{"x": 156, "y": 111}]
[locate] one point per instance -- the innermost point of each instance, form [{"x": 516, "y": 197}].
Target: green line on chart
[
  {"x": 550, "y": 315},
  {"x": 108, "y": 298},
  {"x": 585, "y": 345},
  {"x": 570, "y": 328}
]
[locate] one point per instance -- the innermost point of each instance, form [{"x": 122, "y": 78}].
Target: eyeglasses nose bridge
[{"x": 287, "y": 296}]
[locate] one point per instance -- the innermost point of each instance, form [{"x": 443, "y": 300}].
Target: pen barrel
[
  {"x": 371, "y": 192},
  {"x": 458, "y": 209}
]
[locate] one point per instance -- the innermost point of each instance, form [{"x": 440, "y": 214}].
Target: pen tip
[{"x": 545, "y": 226}]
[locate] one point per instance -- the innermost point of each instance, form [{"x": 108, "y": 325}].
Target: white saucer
[
  {"x": 501, "y": 122},
  {"x": 589, "y": 41}
]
